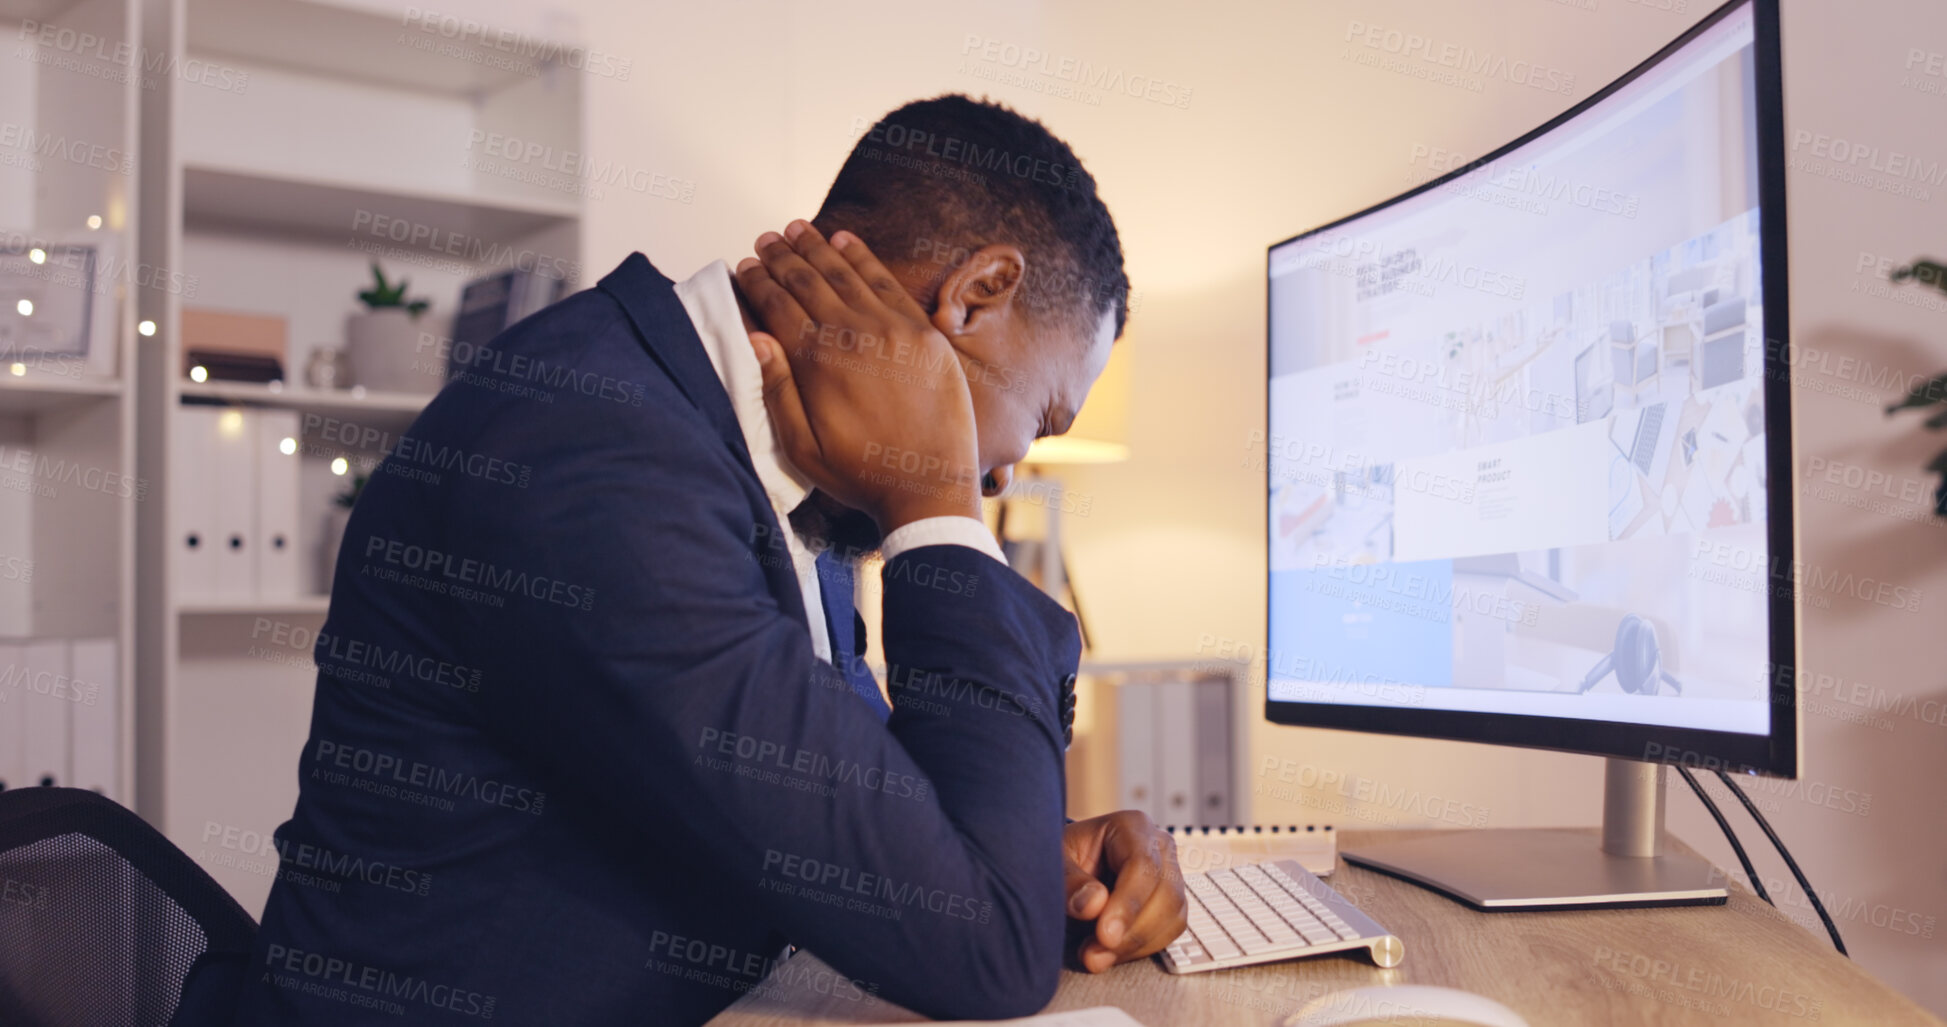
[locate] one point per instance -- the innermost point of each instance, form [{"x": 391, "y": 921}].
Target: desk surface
[{"x": 1743, "y": 962}]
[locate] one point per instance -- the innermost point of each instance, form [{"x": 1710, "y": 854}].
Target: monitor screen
[{"x": 1517, "y": 440}]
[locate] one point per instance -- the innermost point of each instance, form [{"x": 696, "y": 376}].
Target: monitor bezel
[{"x": 1776, "y": 752}]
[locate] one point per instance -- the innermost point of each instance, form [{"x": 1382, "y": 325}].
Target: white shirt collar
[{"x": 712, "y": 307}]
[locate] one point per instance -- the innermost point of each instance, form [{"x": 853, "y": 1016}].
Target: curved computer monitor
[{"x": 1529, "y": 433}]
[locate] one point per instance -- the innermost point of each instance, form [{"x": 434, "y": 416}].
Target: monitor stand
[{"x": 1541, "y": 868}]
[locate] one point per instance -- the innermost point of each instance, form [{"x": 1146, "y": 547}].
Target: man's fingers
[
  {"x": 882, "y": 282},
  {"x": 839, "y": 273},
  {"x": 786, "y": 407},
  {"x": 802, "y": 281},
  {"x": 1145, "y": 912},
  {"x": 783, "y": 317},
  {"x": 1086, "y": 895}
]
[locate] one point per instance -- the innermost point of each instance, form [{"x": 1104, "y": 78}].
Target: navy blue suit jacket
[{"x": 572, "y": 760}]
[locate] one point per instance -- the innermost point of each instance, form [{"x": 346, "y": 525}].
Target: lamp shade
[{"x": 1100, "y": 434}]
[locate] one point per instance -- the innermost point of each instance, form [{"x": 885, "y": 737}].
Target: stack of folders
[
  {"x": 492, "y": 303},
  {"x": 60, "y": 720},
  {"x": 234, "y": 500},
  {"x": 1202, "y": 849}
]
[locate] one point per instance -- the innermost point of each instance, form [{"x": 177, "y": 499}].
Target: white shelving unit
[
  {"x": 319, "y": 137},
  {"x": 70, "y": 119}
]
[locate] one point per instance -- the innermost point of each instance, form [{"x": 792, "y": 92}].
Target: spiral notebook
[{"x": 1314, "y": 846}]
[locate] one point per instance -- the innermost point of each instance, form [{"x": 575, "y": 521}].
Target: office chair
[{"x": 103, "y": 921}]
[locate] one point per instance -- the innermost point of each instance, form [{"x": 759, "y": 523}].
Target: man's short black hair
[{"x": 937, "y": 179}]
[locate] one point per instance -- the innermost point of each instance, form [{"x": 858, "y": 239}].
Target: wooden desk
[{"x": 1738, "y": 963}]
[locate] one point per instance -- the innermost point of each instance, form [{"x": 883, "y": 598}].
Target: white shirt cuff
[{"x": 941, "y": 531}]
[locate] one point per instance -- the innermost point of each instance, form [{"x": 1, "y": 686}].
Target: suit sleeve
[{"x": 683, "y": 692}]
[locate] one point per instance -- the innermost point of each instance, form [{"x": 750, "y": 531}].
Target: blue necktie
[{"x": 847, "y": 634}]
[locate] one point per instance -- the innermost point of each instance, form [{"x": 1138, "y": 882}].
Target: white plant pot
[
  {"x": 334, "y": 537},
  {"x": 385, "y": 352}
]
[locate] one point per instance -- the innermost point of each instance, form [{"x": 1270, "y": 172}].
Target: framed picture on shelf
[{"x": 57, "y": 303}]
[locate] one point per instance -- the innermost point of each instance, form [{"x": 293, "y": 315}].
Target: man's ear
[{"x": 983, "y": 287}]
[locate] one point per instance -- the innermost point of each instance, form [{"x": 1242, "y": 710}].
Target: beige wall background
[{"x": 757, "y": 103}]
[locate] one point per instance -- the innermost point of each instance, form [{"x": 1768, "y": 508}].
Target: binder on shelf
[
  {"x": 192, "y": 503},
  {"x": 492, "y": 303},
  {"x": 275, "y": 530},
  {"x": 1136, "y": 749},
  {"x": 232, "y": 480},
  {"x": 1176, "y": 751},
  {"x": 16, "y": 556},
  {"x": 1213, "y": 750},
  {"x": 45, "y": 689},
  {"x": 94, "y": 747},
  {"x": 13, "y": 726}
]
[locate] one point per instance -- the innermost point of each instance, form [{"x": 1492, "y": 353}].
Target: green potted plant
[
  {"x": 383, "y": 342},
  {"x": 1930, "y": 394}
]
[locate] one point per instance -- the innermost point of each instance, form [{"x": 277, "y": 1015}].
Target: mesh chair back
[{"x": 100, "y": 916}]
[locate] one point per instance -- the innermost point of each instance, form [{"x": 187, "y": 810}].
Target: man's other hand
[
  {"x": 868, "y": 399},
  {"x": 1122, "y": 875}
]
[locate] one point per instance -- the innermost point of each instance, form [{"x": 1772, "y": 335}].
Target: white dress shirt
[{"x": 712, "y": 307}]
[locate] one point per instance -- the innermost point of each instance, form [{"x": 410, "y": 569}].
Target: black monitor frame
[{"x": 1776, "y": 752}]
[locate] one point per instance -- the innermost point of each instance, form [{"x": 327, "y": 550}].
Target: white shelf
[
  {"x": 339, "y": 403},
  {"x": 32, "y": 393},
  {"x": 30, "y": 10},
  {"x": 347, "y": 41},
  {"x": 295, "y": 605},
  {"x": 261, "y": 202}
]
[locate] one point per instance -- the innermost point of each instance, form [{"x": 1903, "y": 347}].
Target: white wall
[{"x": 757, "y": 104}]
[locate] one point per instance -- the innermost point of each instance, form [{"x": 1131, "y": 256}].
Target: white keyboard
[{"x": 1265, "y": 912}]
